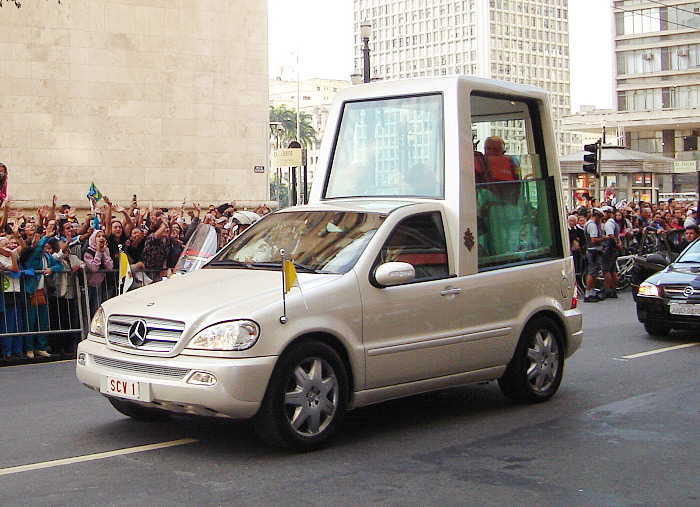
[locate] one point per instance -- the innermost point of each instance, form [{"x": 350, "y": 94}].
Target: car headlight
[
  {"x": 97, "y": 324},
  {"x": 233, "y": 335},
  {"x": 648, "y": 289}
]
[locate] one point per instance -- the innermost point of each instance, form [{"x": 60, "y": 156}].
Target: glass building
[{"x": 518, "y": 41}]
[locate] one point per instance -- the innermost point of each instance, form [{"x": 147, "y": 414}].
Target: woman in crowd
[
  {"x": 156, "y": 246},
  {"x": 625, "y": 229},
  {"x": 38, "y": 266},
  {"x": 669, "y": 223},
  {"x": 13, "y": 296},
  {"x": 176, "y": 245},
  {"x": 63, "y": 308},
  {"x": 97, "y": 259}
]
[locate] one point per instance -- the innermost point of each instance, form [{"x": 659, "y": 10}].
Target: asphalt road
[{"x": 621, "y": 431}]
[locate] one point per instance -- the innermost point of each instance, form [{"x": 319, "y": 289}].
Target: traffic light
[{"x": 591, "y": 160}]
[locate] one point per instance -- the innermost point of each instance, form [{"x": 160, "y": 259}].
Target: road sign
[
  {"x": 685, "y": 166},
  {"x": 287, "y": 157}
]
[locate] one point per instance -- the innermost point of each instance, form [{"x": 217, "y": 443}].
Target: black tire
[
  {"x": 537, "y": 367},
  {"x": 138, "y": 412},
  {"x": 306, "y": 398},
  {"x": 656, "y": 329}
]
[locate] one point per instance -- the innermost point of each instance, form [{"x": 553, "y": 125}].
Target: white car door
[{"x": 415, "y": 331}]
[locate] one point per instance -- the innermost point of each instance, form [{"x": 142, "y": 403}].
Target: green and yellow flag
[{"x": 94, "y": 193}]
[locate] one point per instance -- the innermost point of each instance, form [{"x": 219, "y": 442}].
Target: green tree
[{"x": 283, "y": 127}]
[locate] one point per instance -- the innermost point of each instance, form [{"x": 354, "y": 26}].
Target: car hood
[
  {"x": 678, "y": 274},
  {"x": 205, "y": 292}
]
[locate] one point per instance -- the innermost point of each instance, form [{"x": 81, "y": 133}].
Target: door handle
[{"x": 450, "y": 291}]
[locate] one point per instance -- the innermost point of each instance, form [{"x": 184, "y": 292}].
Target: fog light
[
  {"x": 202, "y": 378},
  {"x": 81, "y": 359}
]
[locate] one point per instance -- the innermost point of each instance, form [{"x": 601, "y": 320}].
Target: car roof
[{"x": 369, "y": 205}]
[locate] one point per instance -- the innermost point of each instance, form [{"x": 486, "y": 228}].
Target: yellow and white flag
[
  {"x": 125, "y": 276},
  {"x": 290, "y": 276},
  {"x": 291, "y": 279}
]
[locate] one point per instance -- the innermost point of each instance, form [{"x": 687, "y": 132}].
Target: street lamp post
[{"x": 365, "y": 33}]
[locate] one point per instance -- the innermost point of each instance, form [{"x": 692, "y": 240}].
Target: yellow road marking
[
  {"x": 91, "y": 457},
  {"x": 659, "y": 351}
]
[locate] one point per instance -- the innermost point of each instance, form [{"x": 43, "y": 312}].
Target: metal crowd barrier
[{"x": 59, "y": 322}]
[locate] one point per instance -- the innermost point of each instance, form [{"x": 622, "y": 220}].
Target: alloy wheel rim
[
  {"x": 312, "y": 396},
  {"x": 543, "y": 358}
]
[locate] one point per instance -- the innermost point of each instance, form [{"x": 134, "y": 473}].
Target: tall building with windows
[
  {"x": 657, "y": 51},
  {"x": 524, "y": 41},
  {"x": 657, "y": 87}
]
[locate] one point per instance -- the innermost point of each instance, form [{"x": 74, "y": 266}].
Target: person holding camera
[{"x": 97, "y": 259}]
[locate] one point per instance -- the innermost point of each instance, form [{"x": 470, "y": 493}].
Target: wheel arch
[
  {"x": 333, "y": 342},
  {"x": 558, "y": 320}
]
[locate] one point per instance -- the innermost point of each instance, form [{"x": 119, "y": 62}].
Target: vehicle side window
[
  {"x": 517, "y": 218},
  {"x": 420, "y": 241}
]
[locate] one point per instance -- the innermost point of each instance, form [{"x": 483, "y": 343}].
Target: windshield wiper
[
  {"x": 278, "y": 265},
  {"x": 229, "y": 263},
  {"x": 305, "y": 268}
]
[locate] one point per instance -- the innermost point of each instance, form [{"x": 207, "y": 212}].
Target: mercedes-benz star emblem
[
  {"x": 137, "y": 333},
  {"x": 688, "y": 291}
]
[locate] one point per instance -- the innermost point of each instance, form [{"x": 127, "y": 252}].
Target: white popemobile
[{"x": 418, "y": 264}]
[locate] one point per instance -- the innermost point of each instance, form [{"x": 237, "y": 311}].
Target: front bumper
[
  {"x": 238, "y": 392},
  {"x": 654, "y": 310}
]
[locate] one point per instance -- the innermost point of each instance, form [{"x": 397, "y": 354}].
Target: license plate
[
  {"x": 125, "y": 388},
  {"x": 684, "y": 309}
]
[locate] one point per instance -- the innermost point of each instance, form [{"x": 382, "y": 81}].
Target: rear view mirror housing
[{"x": 394, "y": 273}]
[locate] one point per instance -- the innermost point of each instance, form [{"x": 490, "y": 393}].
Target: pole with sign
[{"x": 292, "y": 158}]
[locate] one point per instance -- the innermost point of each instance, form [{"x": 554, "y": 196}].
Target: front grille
[
  {"x": 161, "y": 335},
  {"x": 146, "y": 369},
  {"x": 677, "y": 291}
]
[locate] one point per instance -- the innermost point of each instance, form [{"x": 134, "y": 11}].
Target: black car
[{"x": 670, "y": 299}]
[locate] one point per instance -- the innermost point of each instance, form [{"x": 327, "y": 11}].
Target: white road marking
[
  {"x": 659, "y": 351},
  {"x": 91, "y": 457}
]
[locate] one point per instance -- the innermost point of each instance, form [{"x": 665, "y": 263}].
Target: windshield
[
  {"x": 319, "y": 241},
  {"x": 389, "y": 147},
  {"x": 690, "y": 254},
  {"x": 199, "y": 249}
]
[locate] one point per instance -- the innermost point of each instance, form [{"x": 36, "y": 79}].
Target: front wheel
[
  {"x": 306, "y": 398},
  {"x": 537, "y": 367}
]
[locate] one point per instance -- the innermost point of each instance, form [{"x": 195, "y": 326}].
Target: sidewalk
[{"x": 37, "y": 359}]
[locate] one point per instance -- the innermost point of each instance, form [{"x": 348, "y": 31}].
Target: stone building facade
[{"x": 160, "y": 98}]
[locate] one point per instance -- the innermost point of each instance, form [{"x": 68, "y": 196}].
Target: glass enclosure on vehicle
[
  {"x": 389, "y": 147},
  {"x": 318, "y": 241},
  {"x": 516, "y": 199}
]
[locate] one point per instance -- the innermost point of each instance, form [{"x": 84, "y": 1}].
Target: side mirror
[{"x": 394, "y": 273}]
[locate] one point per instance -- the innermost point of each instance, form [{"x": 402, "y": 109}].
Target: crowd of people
[
  {"x": 51, "y": 257},
  {"x": 599, "y": 235}
]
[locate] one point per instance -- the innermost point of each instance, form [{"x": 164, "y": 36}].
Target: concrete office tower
[
  {"x": 163, "y": 99},
  {"x": 657, "y": 76},
  {"x": 518, "y": 41}
]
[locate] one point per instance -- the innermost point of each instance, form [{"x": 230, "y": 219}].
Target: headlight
[
  {"x": 648, "y": 289},
  {"x": 234, "y": 335},
  {"x": 97, "y": 324}
]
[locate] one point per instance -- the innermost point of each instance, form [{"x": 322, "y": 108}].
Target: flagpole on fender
[{"x": 283, "y": 318}]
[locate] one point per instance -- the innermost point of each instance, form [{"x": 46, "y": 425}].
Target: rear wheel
[
  {"x": 138, "y": 412},
  {"x": 306, "y": 398},
  {"x": 655, "y": 329},
  {"x": 537, "y": 367}
]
